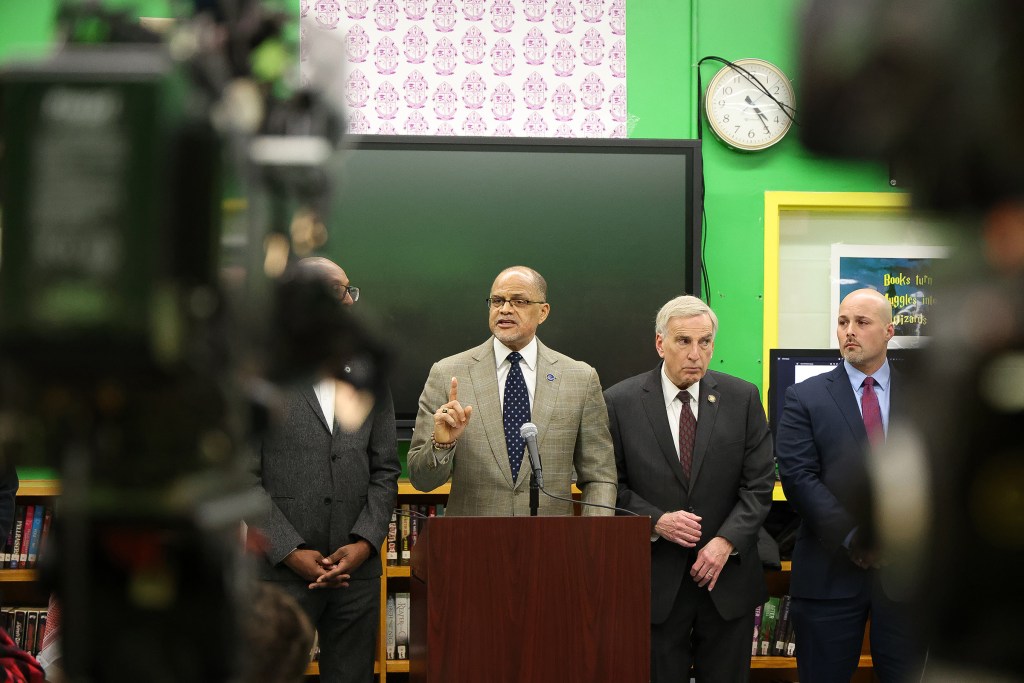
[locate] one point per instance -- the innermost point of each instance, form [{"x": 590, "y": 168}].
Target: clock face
[{"x": 740, "y": 110}]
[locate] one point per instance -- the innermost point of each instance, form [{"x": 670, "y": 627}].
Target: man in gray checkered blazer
[{"x": 461, "y": 433}]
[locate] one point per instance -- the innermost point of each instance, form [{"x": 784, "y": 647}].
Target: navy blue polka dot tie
[{"x": 515, "y": 412}]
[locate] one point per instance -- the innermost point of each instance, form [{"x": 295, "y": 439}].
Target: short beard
[{"x": 854, "y": 358}]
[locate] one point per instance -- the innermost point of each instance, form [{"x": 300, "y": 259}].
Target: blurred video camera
[
  {"x": 932, "y": 86},
  {"x": 127, "y": 360}
]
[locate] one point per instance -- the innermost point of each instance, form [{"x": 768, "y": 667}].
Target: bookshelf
[{"x": 22, "y": 589}]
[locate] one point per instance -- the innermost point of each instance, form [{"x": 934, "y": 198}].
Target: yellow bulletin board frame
[{"x": 775, "y": 203}]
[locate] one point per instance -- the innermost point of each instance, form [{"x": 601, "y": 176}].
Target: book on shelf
[
  {"x": 781, "y": 627},
  {"x": 20, "y": 626},
  {"x": 414, "y": 528},
  {"x": 47, "y": 521},
  {"x": 757, "y": 629},
  {"x": 402, "y": 624},
  {"x": 26, "y": 533},
  {"x": 40, "y": 632},
  {"x": 389, "y": 638},
  {"x": 35, "y": 535},
  {"x": 19, "y": 525},
  {"x": 403, "y": 535},
  {"x": 31, "y": 626},
  {"x": 5, "y": 552},
  {"x": 392, "y": 542},
  {"x": 790, "y": 641},
  {"x": 769, "y": 617}
]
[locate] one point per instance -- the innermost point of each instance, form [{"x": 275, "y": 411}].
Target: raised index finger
[{"x": 453, "y": 393}]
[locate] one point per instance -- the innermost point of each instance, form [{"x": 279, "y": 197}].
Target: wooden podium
[{"x": 531, "y": 600}]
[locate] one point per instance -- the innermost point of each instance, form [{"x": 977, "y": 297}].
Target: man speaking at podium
[
  {"x": 694, "y": 453},
  {"x": 474, "y": 404}
]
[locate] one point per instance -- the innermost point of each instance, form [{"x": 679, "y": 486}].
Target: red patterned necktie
[
  {"x": 871, "y": 413},
  {"x": 687, "y": 433}
]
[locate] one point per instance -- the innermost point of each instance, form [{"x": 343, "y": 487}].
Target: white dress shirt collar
[
  {"x": 528, "y": 352},
  {"x": 671, "y": 391}
]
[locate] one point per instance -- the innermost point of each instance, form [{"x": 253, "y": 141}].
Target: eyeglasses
[
  {"x": 341, "y": 290},
  {"x": 498, "y": 302}
]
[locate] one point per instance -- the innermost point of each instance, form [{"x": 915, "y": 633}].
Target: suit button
[
  {"x": 327, "y": 501},
  {"x": 334, "y": 457}
]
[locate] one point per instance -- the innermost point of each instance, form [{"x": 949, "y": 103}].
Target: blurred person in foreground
[{"x": 277, "y": 637}]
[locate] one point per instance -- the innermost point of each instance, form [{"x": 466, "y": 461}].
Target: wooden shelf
[
  {"x": 405, "y": 488},
  {"x": 398, "y": 666},
  {"x": 19, "y": 575},
  {"x": 393, "y": 572},
  {"x": 314, "y": 668},
  {"x": 784, "y": 663},
  {"x": 39, "y": 487}
]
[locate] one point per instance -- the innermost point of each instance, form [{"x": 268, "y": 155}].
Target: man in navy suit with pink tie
[{"x": 828, "y": 424}]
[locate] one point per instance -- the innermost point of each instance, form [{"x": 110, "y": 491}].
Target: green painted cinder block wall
[{"x": 666, "y": 38}]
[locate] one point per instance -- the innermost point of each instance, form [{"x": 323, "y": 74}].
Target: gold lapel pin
[{"x": 711, "y": 399}]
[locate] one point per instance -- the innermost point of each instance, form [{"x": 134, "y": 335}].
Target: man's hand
[
  {"x": 339, "y": 566},
  {"x": 450, "y": 420},
  {"x": 305, "y": 563},
  {"x": 710, "y": 561},
  {"x": 680, "y": 527},
  {"x": 861, "y": 554}
]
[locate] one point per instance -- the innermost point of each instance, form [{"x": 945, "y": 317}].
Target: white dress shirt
[
  {"x": 528, "y": 365},
  {"x": 674, "y": 406},
  {"x": 325, "y": 390}
]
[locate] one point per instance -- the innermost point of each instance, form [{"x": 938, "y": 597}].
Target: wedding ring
[{"x": 444, "y": 410}]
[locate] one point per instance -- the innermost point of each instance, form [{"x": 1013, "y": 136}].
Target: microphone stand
[{"x": 534, "y": 495}]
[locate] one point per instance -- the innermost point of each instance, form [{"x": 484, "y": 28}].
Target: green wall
[{"x": 666, "y": 38}]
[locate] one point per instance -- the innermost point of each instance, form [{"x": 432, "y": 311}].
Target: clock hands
[{"x": 760, "y": 114}]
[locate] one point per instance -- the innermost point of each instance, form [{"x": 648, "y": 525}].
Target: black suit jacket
[
  {"x": 730, "y": 484},
  {"x": 325, "y": 490},
  {"x": 820, "y": 447}
]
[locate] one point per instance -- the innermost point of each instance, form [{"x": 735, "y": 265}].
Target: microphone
[{"x": 529, "y": 433}]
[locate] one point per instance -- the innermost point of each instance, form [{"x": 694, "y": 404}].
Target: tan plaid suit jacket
[{"x": 572, "y": 423}]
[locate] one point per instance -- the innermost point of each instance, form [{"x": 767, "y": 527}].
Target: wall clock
[{"x": 749, "y": 104}]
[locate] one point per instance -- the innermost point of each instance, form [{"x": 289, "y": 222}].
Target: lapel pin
[
  {"x": 711, "y": 399},
  {"x": 551, "y": 378}
]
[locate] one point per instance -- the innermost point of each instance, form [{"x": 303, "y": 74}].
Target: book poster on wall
[
  {"x": 511, "y": 68},
  {"x": 906, "y": 275}
]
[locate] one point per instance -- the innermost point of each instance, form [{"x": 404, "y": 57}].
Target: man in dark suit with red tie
[
  {"x": 828, "y": 423},
  {"x": 694, "y": 453}
]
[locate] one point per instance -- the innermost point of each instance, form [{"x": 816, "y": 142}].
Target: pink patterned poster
[{"x": 538, "y": 68}]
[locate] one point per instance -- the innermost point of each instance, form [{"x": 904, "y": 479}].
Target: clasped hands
[
  {"x": 683, "y": 527},
  {"x": 333, "y": 571},
  {"x": 450, "y": 420}
]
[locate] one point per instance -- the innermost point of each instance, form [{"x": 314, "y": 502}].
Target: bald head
[
  {"x": 864, "y": 328},
  {"x": 330, "y": 273},
  {"x": 538, "y": 281}
]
